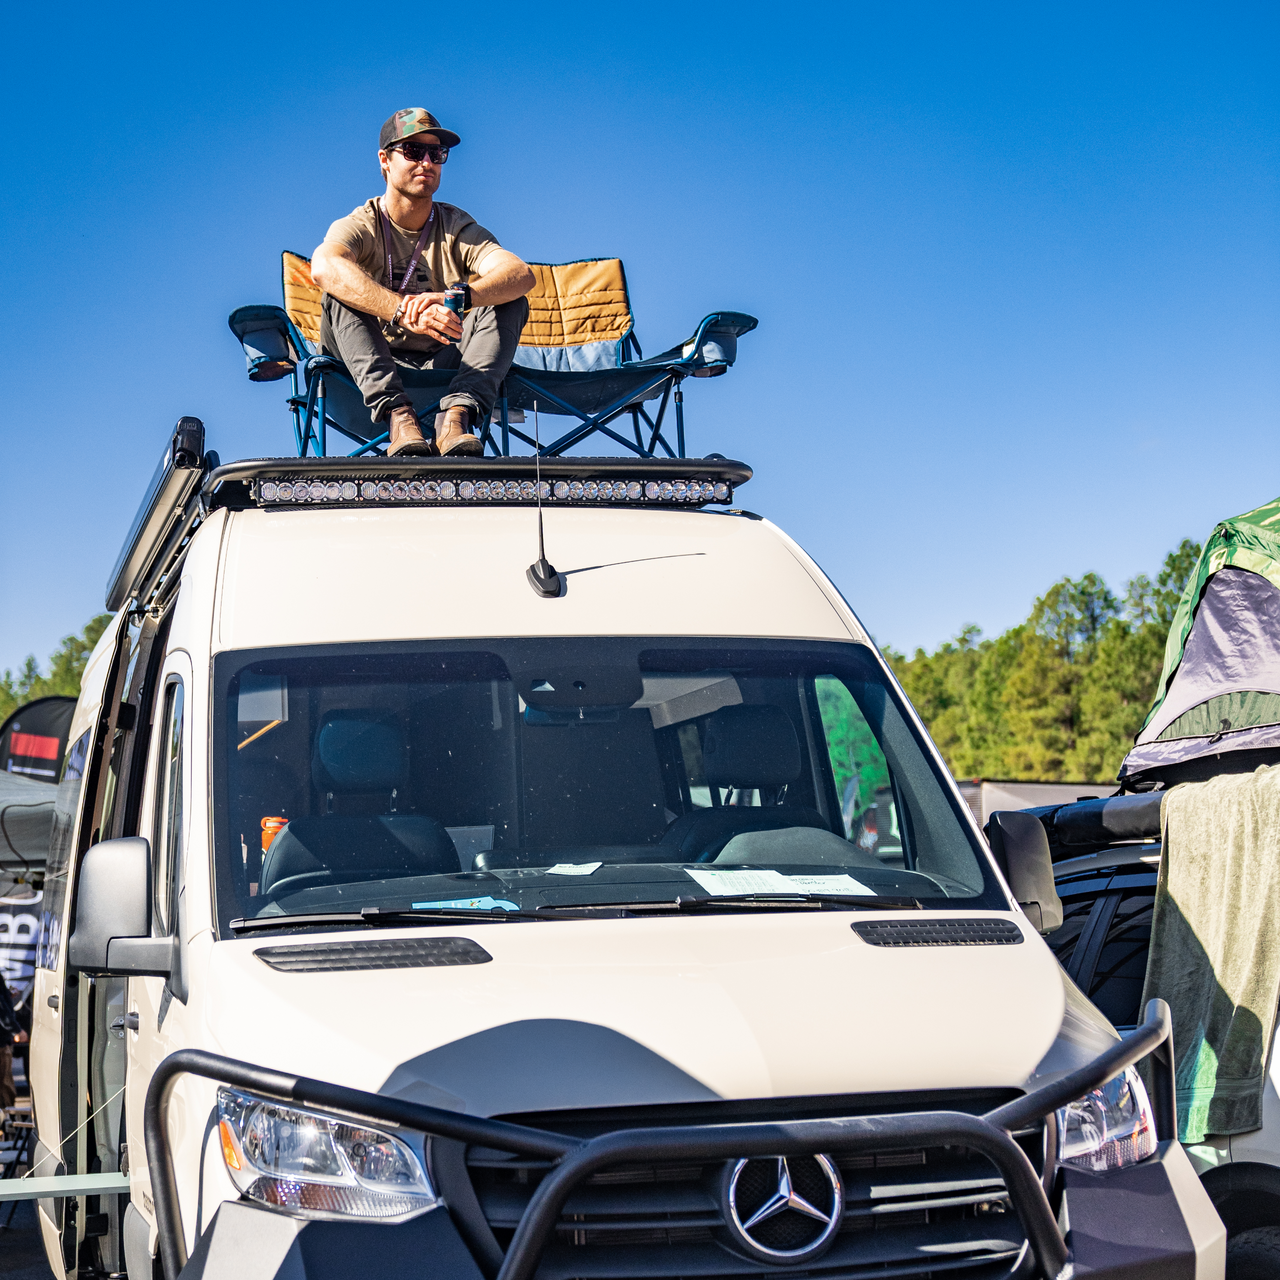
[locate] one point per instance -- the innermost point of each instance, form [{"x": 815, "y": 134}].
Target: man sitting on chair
[{"x": 385, "y": 270}]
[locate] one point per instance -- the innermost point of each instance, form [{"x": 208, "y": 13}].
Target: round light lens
[
  {"x": 527, "y": 491},
  {"x": 651, "y": 489},
  {"x": 384, "y": 490},
  {"x": 431, "y": 490},
  {"x": 415, "y": 490},
  {"x": 561, "y": 489},
  {"x": 368, "y": 489},
  {"x": 332, "y": 491},
  {"x": 666, "y": 490},
  {"x": 317, "y": 491},
  {"x": 399, "y": 490},
  {"x": 466, "y": 489},
  {"x": 721, "y": 491},
  {"x": 512, "y": 490},
  {"x": 634, "y": 489},
  {"x": 347, "y": 491},
  {"x": 481, "y": 488},
  {"x": 680, "y": 490},
  {"x": 447, "y": 489},
  {"x": 575, "y": 488},
  {"x": 267, "y": 491}
]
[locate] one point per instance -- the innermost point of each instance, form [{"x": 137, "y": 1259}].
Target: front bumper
[{"x": 1150, "y": 1220}]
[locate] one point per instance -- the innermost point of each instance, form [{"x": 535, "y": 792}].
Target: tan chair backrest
[
  {"x": 571, "y": 304},
  {"x": 301, "y": 296},
  {"x": 574, "y": 303}
]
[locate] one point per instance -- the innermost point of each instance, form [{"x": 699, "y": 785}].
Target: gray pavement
[{"x": 21, "y": 1249}]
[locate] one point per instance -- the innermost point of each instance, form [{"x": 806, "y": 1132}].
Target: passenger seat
[{"x": 749, "y": 748}]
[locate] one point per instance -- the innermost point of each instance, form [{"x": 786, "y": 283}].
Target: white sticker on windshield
[
  {"x": 830, "y": 884},
  {"x": 474, "y": 904},
  {"x": 574, "y": 868},
  {"x": 719, "y": 883}
]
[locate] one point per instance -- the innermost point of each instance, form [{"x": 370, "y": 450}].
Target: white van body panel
[
  {"x": 325, "y": 577},
  {"x": 732, "y": 1002}
]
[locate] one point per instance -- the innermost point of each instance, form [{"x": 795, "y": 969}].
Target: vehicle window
[
  {"x": 65, "y": 805},
  {"x": 868, "y": 813},
  {"x": 166, "y": 844},
  {"x": 514, "y": 774}
]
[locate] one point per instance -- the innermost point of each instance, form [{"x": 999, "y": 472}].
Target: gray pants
[{"x": 482, "y": 356}]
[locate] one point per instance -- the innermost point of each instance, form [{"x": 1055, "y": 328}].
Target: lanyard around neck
[{"x": 384, "y": 222}]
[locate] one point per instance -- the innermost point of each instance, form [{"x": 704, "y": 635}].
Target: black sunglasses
[{"x": 417, "y": 152}]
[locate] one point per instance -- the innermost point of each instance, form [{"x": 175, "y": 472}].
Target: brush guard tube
[{"x": 579, "y": 1160}]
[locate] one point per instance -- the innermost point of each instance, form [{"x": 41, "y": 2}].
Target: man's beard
[{"x": 415, "y": 189}]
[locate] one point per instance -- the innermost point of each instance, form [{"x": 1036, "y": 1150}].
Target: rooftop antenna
[{"x": 542, "y": 576}]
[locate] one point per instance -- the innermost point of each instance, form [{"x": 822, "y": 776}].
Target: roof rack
[{"x": 190, "y": 483}]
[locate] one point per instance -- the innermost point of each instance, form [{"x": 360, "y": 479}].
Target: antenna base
[{"x": 544, "y": 579}]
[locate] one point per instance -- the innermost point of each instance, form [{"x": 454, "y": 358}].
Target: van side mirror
[
  {"x": 1021, "y": 850},
  {"x": 112, "y": 933}
]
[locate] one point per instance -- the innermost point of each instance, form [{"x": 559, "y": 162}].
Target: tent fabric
[{"x": 1222, "y": 656}]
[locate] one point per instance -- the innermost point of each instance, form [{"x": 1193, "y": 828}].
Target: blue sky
[{"x": 1015, "y": 266}]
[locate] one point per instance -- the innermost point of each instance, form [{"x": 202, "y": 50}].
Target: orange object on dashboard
[{"x": 271, "y": 827}]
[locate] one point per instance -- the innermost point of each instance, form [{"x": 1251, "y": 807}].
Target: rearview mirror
[
  {"x": 1021, "y": 850},
  {"x": 112, "y": 932}
]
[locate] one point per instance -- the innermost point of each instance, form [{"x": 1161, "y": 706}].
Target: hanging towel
[{"x": 1215, "y": 945}]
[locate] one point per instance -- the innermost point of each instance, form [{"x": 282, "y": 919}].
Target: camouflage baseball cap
[{"x": 404, "y": 124}]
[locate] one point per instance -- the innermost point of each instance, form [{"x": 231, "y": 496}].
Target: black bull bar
[{"x": 990, "y": 1134}]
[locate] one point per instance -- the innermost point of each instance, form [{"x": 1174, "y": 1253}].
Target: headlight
[
  {"x": 317, "y": 1165},
  {"x": 1110, "y": 1128}
]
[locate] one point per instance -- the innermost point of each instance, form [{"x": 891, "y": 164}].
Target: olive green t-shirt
[{"x": 456, "y": 246}]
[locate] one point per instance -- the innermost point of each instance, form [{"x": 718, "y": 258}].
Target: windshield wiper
[
  {"x": 378, "y": 916},
  {"x": 768, "y": 901}
]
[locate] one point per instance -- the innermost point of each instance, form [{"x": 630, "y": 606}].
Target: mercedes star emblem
[{"x": 784, "y": 1208}]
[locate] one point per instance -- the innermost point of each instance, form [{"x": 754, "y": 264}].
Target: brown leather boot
[
  {"x": 407, "y": 440},
  {"x": 453, "y": 439}
]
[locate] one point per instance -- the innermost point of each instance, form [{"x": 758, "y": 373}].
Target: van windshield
[{"x": 526, "y": 774}]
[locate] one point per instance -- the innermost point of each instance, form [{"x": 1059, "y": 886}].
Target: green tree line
[
  {"x": 66, "y": 666},
  {"x": 1060, "y": 696}
]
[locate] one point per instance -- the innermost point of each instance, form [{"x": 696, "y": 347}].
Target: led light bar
[{"x": 291, "y": 491}]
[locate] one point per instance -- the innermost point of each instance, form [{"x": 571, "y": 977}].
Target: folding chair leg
[
  {"x": 505, "y": 421},
  {"x": 297, "y": 412},
  {"x": 679, "y": 420},
  {"x": 322, "y": 439}
]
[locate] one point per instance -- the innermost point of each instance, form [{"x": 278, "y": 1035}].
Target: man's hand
[{"x": 425, "y": 313}]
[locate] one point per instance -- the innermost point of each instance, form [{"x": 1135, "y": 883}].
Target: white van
[{"x": 404, "y": 917}]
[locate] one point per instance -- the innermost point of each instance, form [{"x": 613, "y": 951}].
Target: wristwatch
[{"x": 395, "y": 319}]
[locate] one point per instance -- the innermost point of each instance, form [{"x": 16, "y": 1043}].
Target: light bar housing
[{"x": 282, "y": 483}]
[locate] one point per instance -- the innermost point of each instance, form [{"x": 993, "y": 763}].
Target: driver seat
[
  {"x": 748, "y": 748},
  {"x": 360, "y": 759}
]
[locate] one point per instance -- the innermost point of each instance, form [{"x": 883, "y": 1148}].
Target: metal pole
[{"x": 679, "y": 419}]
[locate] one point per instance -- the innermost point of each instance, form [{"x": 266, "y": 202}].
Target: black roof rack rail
[{"x": 166, "y": 519}]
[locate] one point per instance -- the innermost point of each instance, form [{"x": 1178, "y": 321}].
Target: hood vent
[
  {"x": 397, "y": 953},
  {"x": 938, "y": 933}
]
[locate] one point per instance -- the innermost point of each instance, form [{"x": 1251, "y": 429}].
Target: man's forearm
[
  {"x": 509, "y": 279},
  {"x": 341, "y": 278}
]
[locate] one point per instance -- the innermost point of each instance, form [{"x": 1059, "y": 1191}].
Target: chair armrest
[
  {"x": 266, "y": 335},
  {"x": 711, "y": 350}
]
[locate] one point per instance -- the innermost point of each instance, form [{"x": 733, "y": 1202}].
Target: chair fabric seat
[{"x": 342, "y": 847}]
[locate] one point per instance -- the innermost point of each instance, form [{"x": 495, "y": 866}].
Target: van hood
[{"x": 601, "y": 1013}]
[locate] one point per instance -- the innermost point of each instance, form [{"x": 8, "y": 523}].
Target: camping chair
[{"x": 574, "y": 359}]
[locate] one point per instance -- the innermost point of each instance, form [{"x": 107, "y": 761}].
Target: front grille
[{"x": 937, "y": 1211}]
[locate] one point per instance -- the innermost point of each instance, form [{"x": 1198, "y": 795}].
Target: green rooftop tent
[{"x": 1219, "y": 691}]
